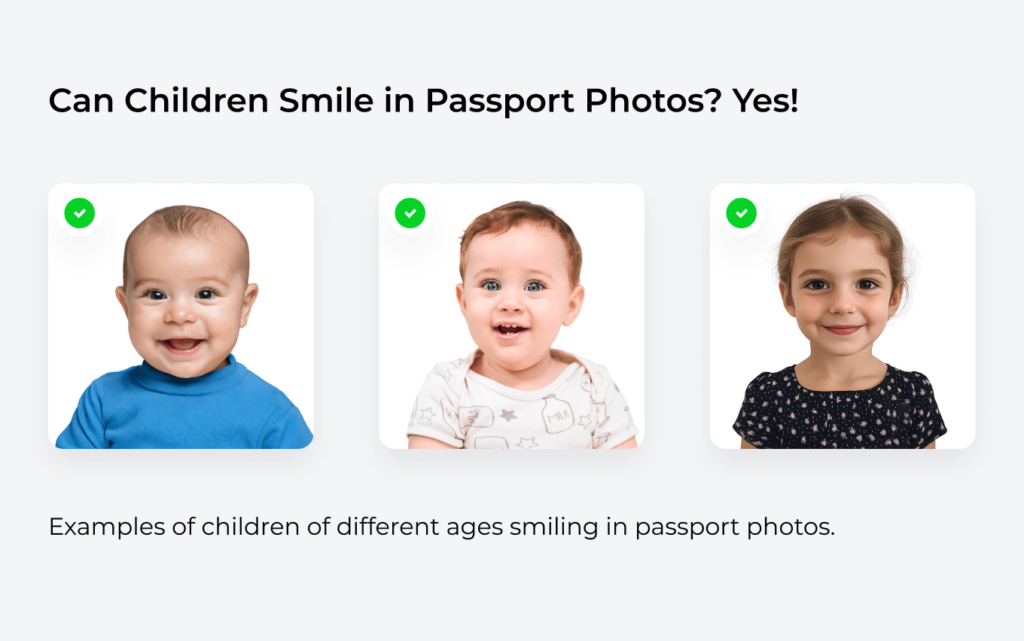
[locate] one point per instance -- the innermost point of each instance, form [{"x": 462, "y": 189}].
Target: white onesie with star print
[{"x": 581, "y": 409}]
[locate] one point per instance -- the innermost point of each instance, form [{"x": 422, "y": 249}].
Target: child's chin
[
  {"x": 514, "y": 360},
  {"x": 843, "y": 350},
  {"x": 182, "y": 370}
]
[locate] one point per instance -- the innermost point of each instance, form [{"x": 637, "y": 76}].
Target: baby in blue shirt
[{"x": 186, "y": 294}]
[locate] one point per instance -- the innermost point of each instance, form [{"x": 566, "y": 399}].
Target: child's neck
[
  {"x": 826, "y": 372},
  {"x": 535, "y": 377}
]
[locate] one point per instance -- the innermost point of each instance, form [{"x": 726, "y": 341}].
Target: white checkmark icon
[
  {"x": 741, "y": 213},
  {"x": 79, "y": 214},
  {"x": 410, "y": 214}
]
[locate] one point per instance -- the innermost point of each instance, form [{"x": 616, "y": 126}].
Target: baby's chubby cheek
[{"x": 143, "y": 323}]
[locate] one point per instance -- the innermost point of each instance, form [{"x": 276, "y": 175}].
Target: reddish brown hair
[
  {"x": 854, "y": 214},
  {"x": 182, "y": 220},
  {"x": 501, "y": 219}
]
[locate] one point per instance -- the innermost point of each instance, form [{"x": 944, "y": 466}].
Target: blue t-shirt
[{"x": 144, "y": 408}]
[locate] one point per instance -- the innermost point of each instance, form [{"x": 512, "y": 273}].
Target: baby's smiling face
[
  {"x": 517, "y": 294},
  {"x": 186, "y": 299}
]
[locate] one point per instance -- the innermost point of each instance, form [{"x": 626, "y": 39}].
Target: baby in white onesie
[{"x": 520, "y": 267}]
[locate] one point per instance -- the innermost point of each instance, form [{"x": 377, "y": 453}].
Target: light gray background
[{"x": 916, "y": 92}]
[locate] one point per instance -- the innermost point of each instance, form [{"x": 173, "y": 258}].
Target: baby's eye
[
  {"x": 154, "y": 294},
  {"x": 867, "y": 283},
  {"x": 534, "y": 286},
  {"x": 816, "y": 284},
  {"x": 206, "y": 294},
  {"x": 491, "y": 285}
]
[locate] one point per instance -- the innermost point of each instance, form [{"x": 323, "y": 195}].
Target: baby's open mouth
[
  {"x": 182, "y": 345},
  {"x": 510, "y": 330}
]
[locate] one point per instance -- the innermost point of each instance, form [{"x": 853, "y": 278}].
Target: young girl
[{"x": 841, "y": 277}]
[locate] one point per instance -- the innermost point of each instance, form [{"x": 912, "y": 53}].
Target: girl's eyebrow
[
  {"x": 824, "y": 272},
  {"x": 874, "y": 271},
  {"x": 813, "y": 271}
]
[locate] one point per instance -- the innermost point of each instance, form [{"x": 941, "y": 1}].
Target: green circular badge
[
  {"x": 410, "y": 213},
  {"x": 741, "y": 213},
  {"x": 79, "y": 213}
]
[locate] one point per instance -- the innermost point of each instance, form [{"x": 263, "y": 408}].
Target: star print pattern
[
  {"x": 527, "y": 443},
  {"x": 581, "y": 409},
  {"x": 898, "y": 413}
]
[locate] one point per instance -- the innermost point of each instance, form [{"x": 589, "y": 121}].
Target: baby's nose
[
  {"x": 179, "y": 314},
  {"x": 511, "y": 303}
]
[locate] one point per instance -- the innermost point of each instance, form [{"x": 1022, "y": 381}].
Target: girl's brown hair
[{"x": 854, "y": 214}]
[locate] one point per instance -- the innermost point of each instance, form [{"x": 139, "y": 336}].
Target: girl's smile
[{"x": 843, "y": 330}]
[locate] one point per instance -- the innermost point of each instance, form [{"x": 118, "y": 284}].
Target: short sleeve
[
  {"x": 752, "y": 423},
  {"x": 927, "y": 422},
  {"x": 87, "y": 429},
  {"x": 615, "y": 424},
  {"x": 287, "y": 430},
  {"x": 435, "y": 414}
]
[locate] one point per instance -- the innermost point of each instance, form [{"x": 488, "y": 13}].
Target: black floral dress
[{"x": 780, "y": 413}]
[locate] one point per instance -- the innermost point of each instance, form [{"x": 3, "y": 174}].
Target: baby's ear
[
  {"x": 575, "y": 305},
  {"x": 895, "y": 300},
  {"x": 460, "y": 295},
  {"x": 122, "y": 297},
  {"x": 251, "y": 292},
  {"x": 787, "y": 299}
]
